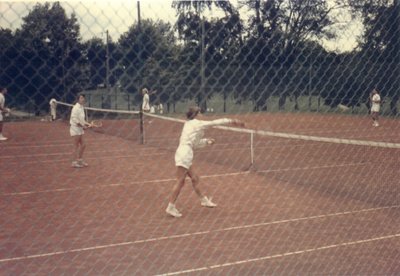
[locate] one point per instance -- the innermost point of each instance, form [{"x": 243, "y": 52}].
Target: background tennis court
[{"x": 307, "y": 207}]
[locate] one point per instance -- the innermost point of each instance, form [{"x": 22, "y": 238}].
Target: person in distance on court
[
  {"x": 146, "y": 99},
  {"x": 77, "y": 125},
  {"x": 192, "y": 138},
  {"x": 53, "y": 109},
  {"x": 159, "y": 107},
  {"x": 375, "y": 107},
  {"x": 3, "y": 111}
]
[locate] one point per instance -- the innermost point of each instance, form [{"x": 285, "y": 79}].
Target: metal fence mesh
[{"x": 293, "y": 70}]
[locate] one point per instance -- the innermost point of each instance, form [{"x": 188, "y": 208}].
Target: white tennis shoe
[
  {"x": 206, "y": 202},
  {"x": 2, "y": 138},
  {"x": 83, "y": 163},
  {"x": 172, "y": 211},
  {"x": 76, "y": 164}
]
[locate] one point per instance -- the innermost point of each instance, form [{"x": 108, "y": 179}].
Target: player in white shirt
[
  {"x": 146, "y": 99},
  {"x": 3, "y": 111},
  {"x": 160, "y": 108},
  {"x": 77, "y": 125},
  {"x": 192, "y": 138},
  {"x": 53, "y": 109},
  {"x": 375, "y": 106}
]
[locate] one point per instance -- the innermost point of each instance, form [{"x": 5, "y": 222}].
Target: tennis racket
[{"x": 96, "y": 124}]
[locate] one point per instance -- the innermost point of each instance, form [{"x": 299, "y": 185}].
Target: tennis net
[
  {"x": 357, "y": 166},
  {"x": 121, "y": 123}
]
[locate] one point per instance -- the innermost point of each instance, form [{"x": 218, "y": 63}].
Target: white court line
[
  {"x": 64, "y": 143},
  {"x": 106, "y": 246},
  {"x": 173, "y": 179},
  {"x": 316, "y": 167},
  {"x": 68, "y": 153},
  {"x": 115, "y": 185},
  {"x": 269, "y": 257},
  {"x": 154, "y": 148},
  {"x": 89, "y": 158}
]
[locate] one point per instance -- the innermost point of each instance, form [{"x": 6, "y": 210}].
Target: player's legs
[
  {"x": 181, "y": 173},
  {"x": 195, "y": 181},
  {"x": 375, "y": 116},
  {"x": 82, "y": 146},
  {"x": 2, "y": 138},
  {"x": 77, "y": 141},
  {"x": 77, "y": 151},
  {"x": 53, "y": 114},
  {"x": 205, "y": 201}
]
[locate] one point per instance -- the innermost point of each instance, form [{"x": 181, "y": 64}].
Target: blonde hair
[{"x": 192, "y": 112}]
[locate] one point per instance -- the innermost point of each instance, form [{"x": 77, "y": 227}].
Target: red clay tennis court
[{"x": 305, "y": 206}]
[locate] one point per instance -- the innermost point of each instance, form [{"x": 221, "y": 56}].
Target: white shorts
[
  {"x": 53, "y": 113},
  {"x": 75, "y": 131},
  {"x": 375, "y": 108},
  {"x": 146, "y": 107},
  {"x": 184, "y": 157},
  {"x": 1, "y": 117}
]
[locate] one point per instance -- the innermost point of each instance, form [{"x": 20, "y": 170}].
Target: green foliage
[{"x": 274, "y": 53}]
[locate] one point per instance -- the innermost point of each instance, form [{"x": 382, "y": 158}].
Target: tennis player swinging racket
[{"x": 192, "y": 138}]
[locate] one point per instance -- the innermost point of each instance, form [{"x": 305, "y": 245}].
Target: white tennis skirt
[
  {"x": 75, "y": 131},
  {"x": 184, "y": 156},
  {"x": 375, "y": 108}
]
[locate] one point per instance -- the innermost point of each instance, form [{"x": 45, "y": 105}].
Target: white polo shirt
[
  {"x": 77, "y": 117},
  {"x": 376, "y": 105},
  {"x": 191, "y": 138},
  {"x": 146, "y": 103}
]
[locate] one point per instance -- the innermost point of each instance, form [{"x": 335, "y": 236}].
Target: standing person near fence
[
  {"x": 375, "y": 107},
  {"x": 53, "y": 109},
  {"x": 160, "y": 108},
  {"x": 146, "y": 99},
  {"x": 3, "y": 111},
  {"x": 192, "y": 138},
  {"x": 77, "y": 125}
]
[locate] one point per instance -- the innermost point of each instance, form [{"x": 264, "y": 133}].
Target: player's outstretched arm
[{"x": 237, "y": 123}]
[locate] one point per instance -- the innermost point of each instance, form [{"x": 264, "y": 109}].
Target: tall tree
[
  {"x": 279, "y": 29},
  {"x": 148, "y": 56},
  {"x": 50, "y": 56},
  {"x": 205, "y": 40},
  {"x": 380, "y": 45}
]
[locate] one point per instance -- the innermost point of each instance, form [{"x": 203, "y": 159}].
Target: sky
[
  {"x": 116, "y": 16},
  {"x": 95, "y": 17}
]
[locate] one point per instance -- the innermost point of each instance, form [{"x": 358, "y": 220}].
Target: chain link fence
[
  {"x": 216, "y": 49},
  {"x": 240, "y": 58}
]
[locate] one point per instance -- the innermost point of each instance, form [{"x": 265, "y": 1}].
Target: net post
[
  {"x": 141, "y": 127},
  {"x": 251, "y": 148},
  {"x": 252, "y": 165}
]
